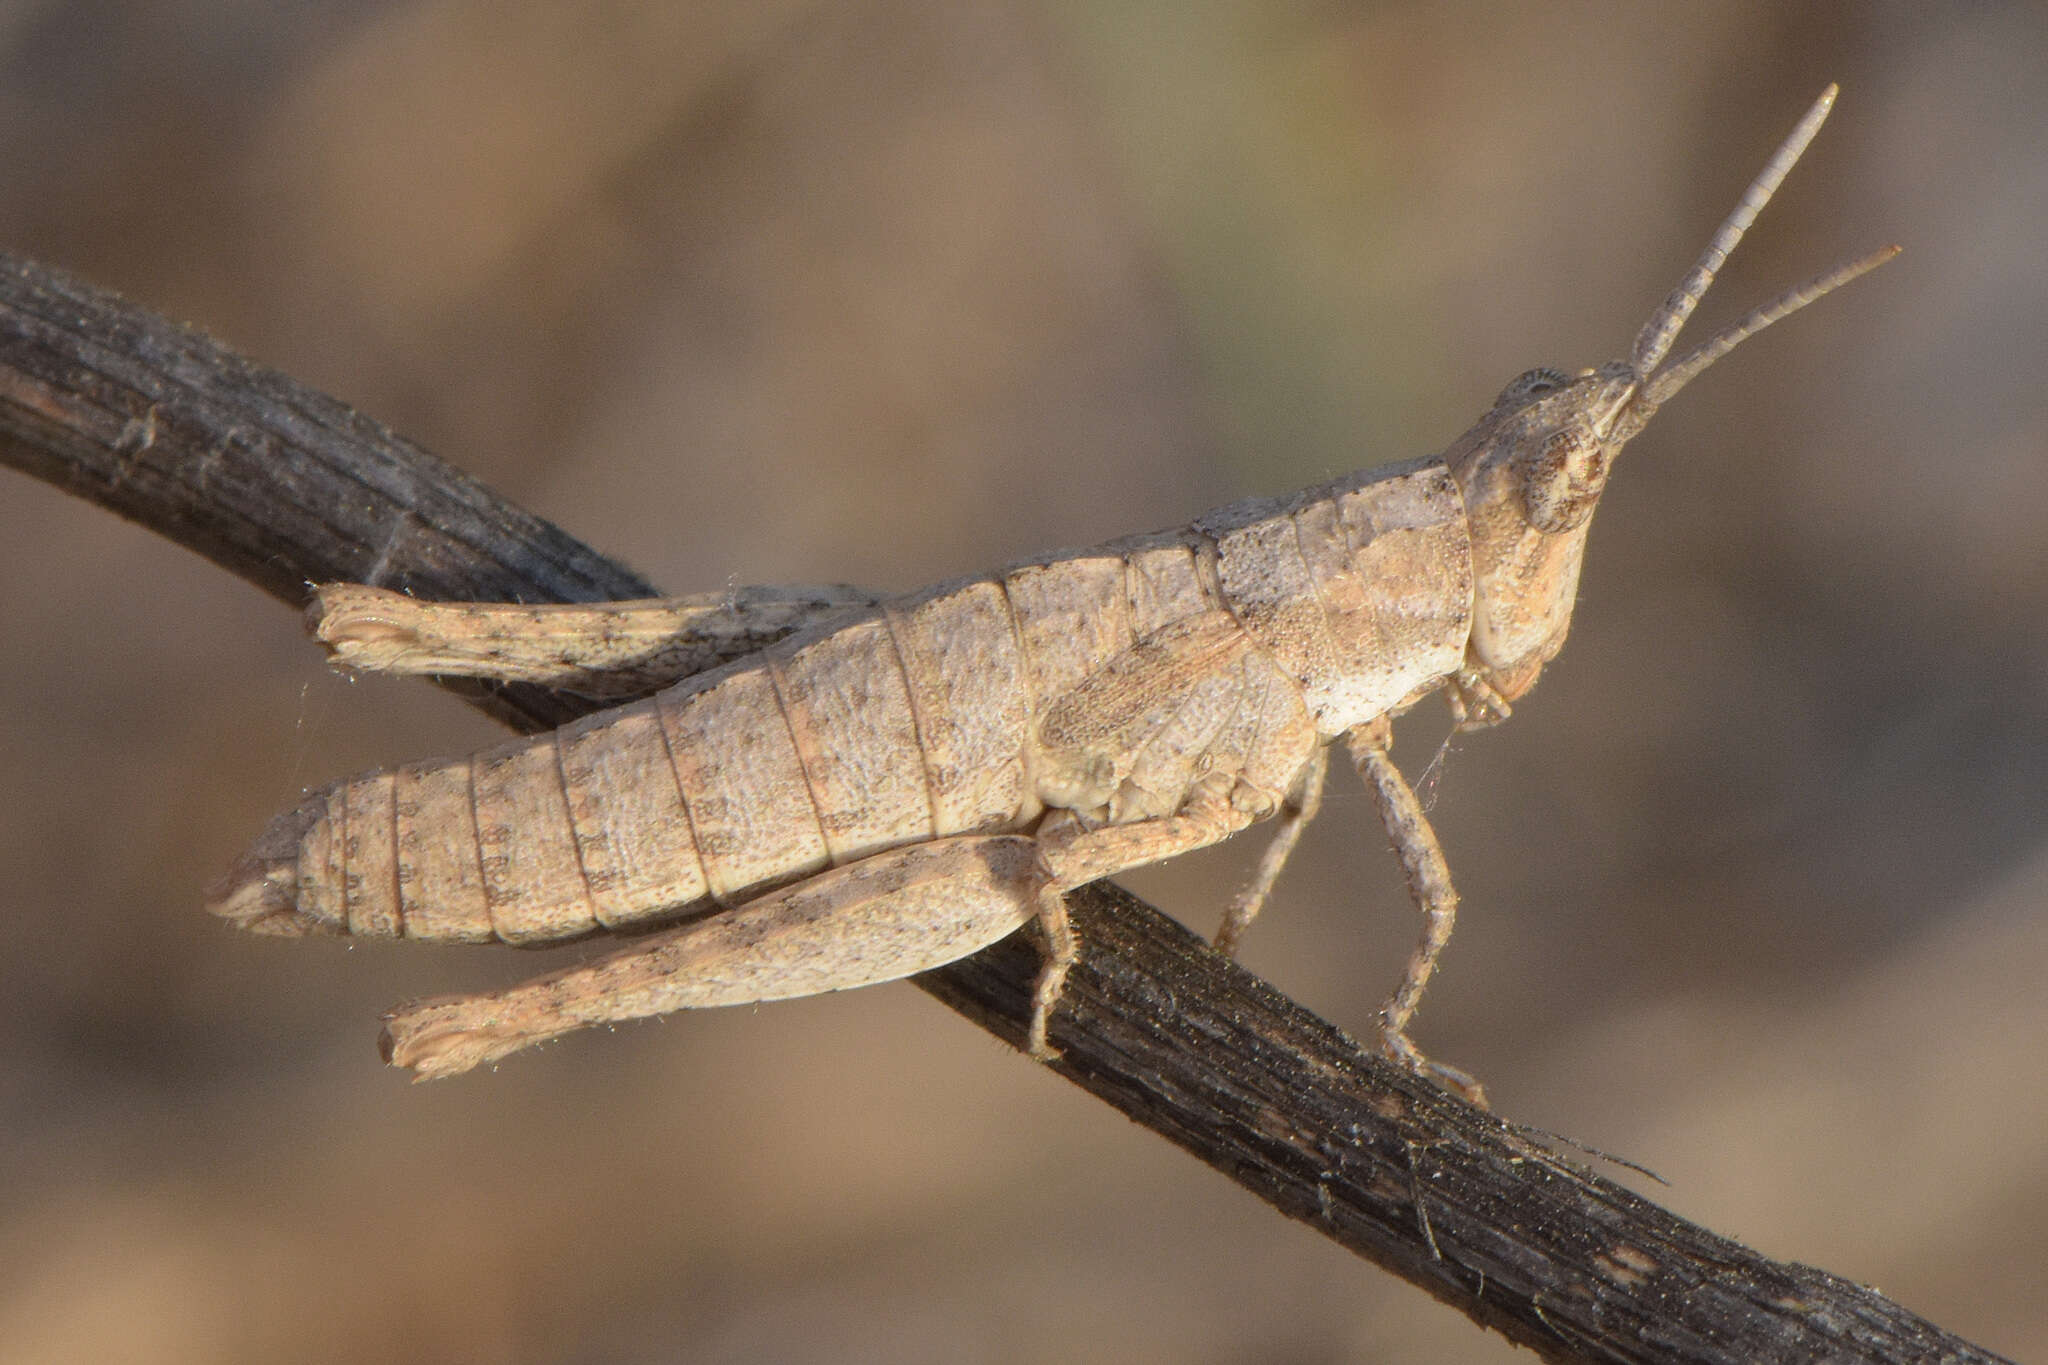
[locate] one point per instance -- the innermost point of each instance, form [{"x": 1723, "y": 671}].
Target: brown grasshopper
[{"x": 899, "y": 783}]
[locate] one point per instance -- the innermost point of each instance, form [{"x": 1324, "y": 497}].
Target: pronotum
[{"x": 902, "y": 782}]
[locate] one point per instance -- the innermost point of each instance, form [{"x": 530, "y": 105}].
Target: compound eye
[
  {"x": 1564, "y": 481},
  {"x": 1532, "y": 384}
]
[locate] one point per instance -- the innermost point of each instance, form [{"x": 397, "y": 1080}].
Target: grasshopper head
[{"x": 1533, "y": 468}]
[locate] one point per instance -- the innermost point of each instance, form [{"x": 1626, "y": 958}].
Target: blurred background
[{"x": 883, "y": 291}]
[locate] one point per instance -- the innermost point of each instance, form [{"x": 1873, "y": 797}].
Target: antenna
[{"x": 1662, "y": 329}]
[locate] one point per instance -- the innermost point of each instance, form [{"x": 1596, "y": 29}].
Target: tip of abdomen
[{"x": 261, "y": 892}]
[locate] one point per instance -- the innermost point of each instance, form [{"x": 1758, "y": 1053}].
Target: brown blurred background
[{"x": 882, "y": 291}]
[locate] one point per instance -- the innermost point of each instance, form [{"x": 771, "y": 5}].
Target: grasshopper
[{"x": 894, "y": 784}]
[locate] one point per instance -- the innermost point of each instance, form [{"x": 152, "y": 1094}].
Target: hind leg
[
  {"x": 1073, "y": 856},
  {"x": 896, "y": 913},
  {"x": 597, "y": 649}
]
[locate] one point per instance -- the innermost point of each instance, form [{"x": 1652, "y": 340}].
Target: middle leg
[{"x": 1294, "y": 817}]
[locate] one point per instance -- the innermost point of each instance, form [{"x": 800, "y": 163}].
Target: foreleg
[{"x": 1429, "y": 885}]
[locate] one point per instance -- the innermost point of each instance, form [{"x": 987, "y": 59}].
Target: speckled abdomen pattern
[{"x": 917, "y": 720}]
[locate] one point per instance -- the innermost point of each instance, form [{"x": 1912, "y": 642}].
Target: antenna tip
[
  {"x": 1815, "y": 116},
  {"x": 1863, "y": 264}
]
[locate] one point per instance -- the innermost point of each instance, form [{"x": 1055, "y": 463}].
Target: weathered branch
[{"x": 286, "y": 487}]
